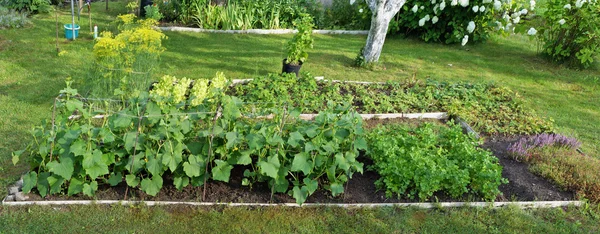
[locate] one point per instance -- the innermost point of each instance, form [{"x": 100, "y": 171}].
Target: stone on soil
[
  {"x": 10, "y": 198},
  {"x": 13, "y": 190},
  {"x": 21, "y": 197}
]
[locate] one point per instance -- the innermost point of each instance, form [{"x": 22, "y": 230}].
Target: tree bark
[{"x": 383, "y": 12}]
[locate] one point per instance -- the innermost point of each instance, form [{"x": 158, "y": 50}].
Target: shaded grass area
[{"x": 173, "y": 219}]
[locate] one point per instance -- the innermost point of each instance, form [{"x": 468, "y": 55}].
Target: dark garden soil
[{"x": 522, "y": 186}]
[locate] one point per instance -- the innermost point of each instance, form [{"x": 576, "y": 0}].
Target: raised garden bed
[{"x": 359, "y": 189}]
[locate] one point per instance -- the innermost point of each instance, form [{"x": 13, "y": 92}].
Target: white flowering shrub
[
  {"x": 459, "y": 21},
  {"x": 570, "y": 31}
]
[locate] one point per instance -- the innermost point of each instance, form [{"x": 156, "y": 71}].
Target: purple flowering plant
[{"x": 522, "y": 147}]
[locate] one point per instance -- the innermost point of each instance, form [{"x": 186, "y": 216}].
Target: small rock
[
  {"x": 13, "y": 190},
  {"x": 21, "y": 197},
  {"x": 10, "y": 198},
  {"x": 19, "y": 183}
]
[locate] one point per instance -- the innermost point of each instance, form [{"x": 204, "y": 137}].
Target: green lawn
[
  {"x": 119, "y": 219},
  {"x": 31, "y": 74}
]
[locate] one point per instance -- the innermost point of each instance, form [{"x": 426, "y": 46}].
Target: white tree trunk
[{"x": 383, "y": 12}]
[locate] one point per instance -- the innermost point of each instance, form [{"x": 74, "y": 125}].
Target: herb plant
[
  {"x": 301, "y": 42},
  {"x": 419, "y": 162}
]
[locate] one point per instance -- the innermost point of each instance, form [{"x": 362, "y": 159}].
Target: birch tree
[{"x": 383, "y": 12}]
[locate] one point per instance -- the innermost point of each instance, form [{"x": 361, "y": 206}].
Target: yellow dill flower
[{"x": 199, "y": 92}]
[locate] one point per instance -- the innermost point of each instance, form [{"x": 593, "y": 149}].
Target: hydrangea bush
[
  {"x": 459, "y": 21},
  {"x": 570, "y": 31}
]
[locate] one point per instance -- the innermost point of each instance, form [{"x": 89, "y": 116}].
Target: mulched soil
[{"x": 522, "y": 186}]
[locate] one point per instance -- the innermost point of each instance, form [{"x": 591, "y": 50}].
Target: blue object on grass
[{"x": 69, "y": 31}]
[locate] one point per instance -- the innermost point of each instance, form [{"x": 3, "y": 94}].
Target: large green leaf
[
  {"x": 42, "y": 183},
  {"x": 193, "y": 168},
  {"x": 94, "y": 164},
  {"x": 132, "y": 180},
  {"x": 222, "y": 171},
  {"x": 129, "y": 139},
  {"x": 311, "y": 185},
  {"x": 244, "y": 158},
  {"x": 90, "y": 189},
  {"x": 181, "y": 182},
  {"x": 154, "y": 166},
  {"x": 78, "y": 147},
  {"x": 341, "y": 162},
  {"x": 231, "y": 139},
  {"x": 270, "y": 167},
  {"x": 121, "y": 121},
  {"x": 74, "y": 104},
  {"x": 360, "y": 144},
  {"x": 336, "y": 189},
  {"x": 75, "y": 186},
  {"x": 115, "y": 178},
  {"x": 312, "y": 131},
  {"x": 64, "y": 168},
  {"x": 255, "y": 141},
  {"x": 295, "y": 139},
  {"x": 152, "y": 186},
  {"x": 300, "y": 194},
  {"x": 231, "y": 107},
  {"x": 301, "y": 163},
  {"x": 173, "y": 155},
  {"x": 29, "y": 181},
  {"x": 55, "y": 182}
]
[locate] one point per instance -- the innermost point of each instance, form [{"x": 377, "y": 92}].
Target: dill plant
[{"x": 125, "y": 62}]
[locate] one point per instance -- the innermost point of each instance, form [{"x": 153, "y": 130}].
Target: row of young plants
[
  {"x": 488, "y": 108},
  {"x": 555, "y": 157},
  {"x": 204, "y": 136}
]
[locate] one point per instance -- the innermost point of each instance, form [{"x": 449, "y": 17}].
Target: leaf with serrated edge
[
  {"x": 336, "y": 189},
  {"x": 152, "y": 186},
  {"x": 222, "y": 171},
  {"x": 244, "y": 159},
  {"x": 132, "y": 180},
  {"x": 29, "y": 181},
  {"x": 311, "y": 185},
  {"x": 75, "y": 186},
  {"x": 295, "y": 139},
  {"x": 360, "y": 144},
  {"x": 300, "y": 195},
  {"x": 64, "y": 168},
  {"x": 115, "y": 179},
  {"x": 193, "y": 167},
  {"x": 270, "y": 167},
  {"x": 301, "y": 163},
  {"x": 180, "y": 182},
  {"x": 90, "y": 189}
]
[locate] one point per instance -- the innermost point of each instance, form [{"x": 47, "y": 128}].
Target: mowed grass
[
  {"x": 31, "y": 75},
  {"x": 177, "y": 219}
]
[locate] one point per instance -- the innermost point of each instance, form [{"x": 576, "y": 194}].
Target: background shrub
[
  {"x": 12, "y": 19},
  {"x": 569, "y": 32},
  {"x": 32, "y": 6}
]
